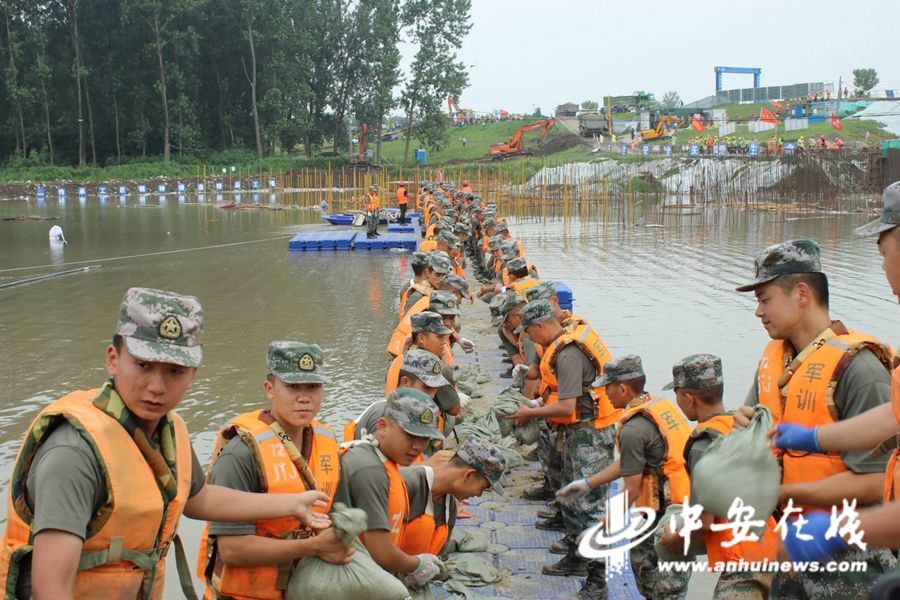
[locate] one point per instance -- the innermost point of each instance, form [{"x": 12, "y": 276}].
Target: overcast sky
[{"x": 530, "y": 53}]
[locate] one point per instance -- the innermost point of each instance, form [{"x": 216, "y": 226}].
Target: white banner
[
  {"x": 727, "y": 128},
  {"x": 796, "y": 124},
  {"x": 757, "y": 126}
]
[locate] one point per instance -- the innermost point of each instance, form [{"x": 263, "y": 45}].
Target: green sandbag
[
  {"x": 696, "y": 547},
  {"x": 423, "y": 593},
  {"x": 314, "y": 578},
  {"x": 506, "y": 404},
  {"x": 471, "y": 570},
  {"x": 470, "y": 540},
  {"x": 739, "y": 465}
]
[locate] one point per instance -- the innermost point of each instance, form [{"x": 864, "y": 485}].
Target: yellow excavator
[
  {"x": 514, "y": 145},
  {"x": 667, "y": 126}
]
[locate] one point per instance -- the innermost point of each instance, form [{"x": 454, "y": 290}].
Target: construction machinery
[
  {"x": 514, "y": 145},
  {"x": 360, "y": 157},
  {"x": 666, "y": 126},
  {"x": 592, "y": 122}
]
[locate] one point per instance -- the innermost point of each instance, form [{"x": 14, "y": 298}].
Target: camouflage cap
[
  {"x": 439, "y": 262},
  {"x": 414, "y": 412},
  {"x": 792, "y": 256},
  {"x": 696, "y": 372},
  {"x": 454, "y": 281},
  {"x": 424, "y": 365},
  {"x": 501, "y": 305},
  {"x": 295, "y": 362},
  {"x": 501, "y": 226},
  {"x": 535, "y": 311},
  {"x": 484, "y": 458},
  {"x": 429, "y": 321},
  {"x": 494, "y": 243},
  {"x": 544, "y": 290},
  {"x": 623, "y": 368},
  {"x": 448, "y": 238},
  {"x": 161, "y": 326},
  {"x": 488, "y": 221},
  {"x": 461, "y": 228},
  {"x": 890, "y": 213},
  {"x": 419, "y": 259},
  {"x": 516, "y": 264},
  {"x": 443, "y": 303}
]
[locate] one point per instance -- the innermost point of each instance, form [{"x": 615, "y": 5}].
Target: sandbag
[
  {"x": 697, "y": 546},
  {"x": 314, "y": 578},
  {"x": 506, "y": 404},
  {"x": 739, "y": 465},
  {"x": 466, "y": 539}
]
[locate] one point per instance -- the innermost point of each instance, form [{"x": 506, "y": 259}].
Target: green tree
[
  {"x": 437, "y": 29},
  {"x": 864, "y": 80},
  {"x": 670, "y": 100},
  {"x": 589, "y": 105}
]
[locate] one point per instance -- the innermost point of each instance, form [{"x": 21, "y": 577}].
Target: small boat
[
  {"x": 339, "y": 219},
  {"x": 388, "y": 215}
]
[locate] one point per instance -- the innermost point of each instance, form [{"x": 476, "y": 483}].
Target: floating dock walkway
[{"x": 397, "y": 236}]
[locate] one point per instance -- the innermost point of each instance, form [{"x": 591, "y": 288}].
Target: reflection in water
[{"x": 57, "y": 256}]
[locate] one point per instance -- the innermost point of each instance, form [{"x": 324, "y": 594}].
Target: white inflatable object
[{"x": 56, "y": 234}]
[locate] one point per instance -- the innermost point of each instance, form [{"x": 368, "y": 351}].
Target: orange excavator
[
  {"x": 360, "y": 157},
  {"x": 514, "y": 146}
]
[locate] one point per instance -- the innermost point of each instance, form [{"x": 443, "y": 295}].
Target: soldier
[
  {"x": 418, "y": 283},
  {"x": 437, "y": 268},
  {"x": 104, "y": 475},
  {"x": 375, "y": 485},
  {"x": 699, "y": 387},
  {"x": 584, "y": 422},
  {"x": 372, "y": 205},
  {"x": 815, "y": 372},
  {"x": 651, "y": 437},
  {"x": 277, "y": 450},
  {"x": 435, "y": 491},
  {"x": 863, "y": 432}
]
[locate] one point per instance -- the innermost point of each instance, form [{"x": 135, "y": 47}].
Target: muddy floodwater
[{"x": 659, "y": 291}]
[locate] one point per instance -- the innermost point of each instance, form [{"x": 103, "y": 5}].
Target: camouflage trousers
[
  {"x": 833, "y": 586},
  {"x": 743, "y": 586},
  {"x": 586, "y": 451},
  {"x": 651, "y": 582},
  {"x": 549, "y": 458}
]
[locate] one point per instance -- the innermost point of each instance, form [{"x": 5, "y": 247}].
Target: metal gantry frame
[{"x": 755, "y": 71}]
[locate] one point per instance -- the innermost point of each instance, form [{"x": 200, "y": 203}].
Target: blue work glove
[
  {"x": 817, "y": 548},
  {"x": 791, "y": 436}
]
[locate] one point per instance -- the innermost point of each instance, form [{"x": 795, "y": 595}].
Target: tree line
[{"x": 110, "y": 81}]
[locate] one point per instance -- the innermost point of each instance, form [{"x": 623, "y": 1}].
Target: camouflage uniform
[{"x": 651, "y": 582}]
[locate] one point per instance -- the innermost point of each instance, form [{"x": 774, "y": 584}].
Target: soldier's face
[
  {"x": 417, "y": 384},
  {"x": 471, "y": 485},
  {"x": 686, "y": 404},
  {"x": 889, "y": 247},
  {"x": 398, "y": 445},
  {"x": 294, "y": 405},
  {"x": 778, "y": 311},
  {"x": 435, "y": 279},
  {"x": 148, "y": 389},
  {"x": 619, "y": 394},
  {"x": 433, "y": 342}
]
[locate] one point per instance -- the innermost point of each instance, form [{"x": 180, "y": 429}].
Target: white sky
[{"x": 537, "y": 53}]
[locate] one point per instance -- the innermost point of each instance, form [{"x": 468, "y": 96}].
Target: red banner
[
  {"x": 836, "y": 123},
  {"x": 697, "y": 125},
  {"x": 766, "y": 116}
]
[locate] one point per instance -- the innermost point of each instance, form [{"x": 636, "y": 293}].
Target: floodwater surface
[{"x": 660, "y": 292}]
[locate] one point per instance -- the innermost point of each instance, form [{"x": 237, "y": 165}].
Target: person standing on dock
[
  {"x": 816, "y": 372},
  {"x": 103, "y": 476},
  {"x": 402, "y": 201},
  {"x": 583, "y": 418},
  {"x": 372, "y": 206},
  {"x": 276, "y": 450},
  {"x": 651, "y": 435}
]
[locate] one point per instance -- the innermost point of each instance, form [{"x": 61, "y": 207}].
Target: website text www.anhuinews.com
[{"x": 764, "y": 566}]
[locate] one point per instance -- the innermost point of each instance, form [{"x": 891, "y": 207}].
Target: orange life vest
[
  {"x": 403, "y": 330},
  {"x": 766, "y": 546},
  {"x": 402, "y": 196},
  {"x": 458, "y": 269},
  {"x": 892, "y": 473},
  {"x": 428, "y": 245},
  {"x": 374, "y": 202},
  {"x": 520, "y": 286},
  {"x": 123, "y": 555},
  {"x": 423, "y": 288},
  {"x": 591, "y": 344},
  {"x": 398, "y": 500},
  {"x": 808, "y": 396},
  {"x": 277, "y": 475},
  {"x": 423, "y": 534},
  {"x": 505, "y": 277},
  {"x": 669, "y": 483}
]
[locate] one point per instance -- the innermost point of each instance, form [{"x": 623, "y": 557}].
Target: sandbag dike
[{"x": 515, "y": 547}]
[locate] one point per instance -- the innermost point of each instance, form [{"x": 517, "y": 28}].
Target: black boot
[
  {"x": 552, "y": 524},
  {"x": 562, "y": 546},
  {"x": 594, "y": 587},
  {"x": 539, "y": 493},
  {"x": 570, "y": 564},
  {"x": 549, "y": 511}
]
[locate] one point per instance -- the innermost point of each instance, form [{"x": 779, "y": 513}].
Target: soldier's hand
[
  {"x": 521, "y": 416},
  {"x": 467, "y": 345},
  {"x": 571, "y": 492},
  {"x": 670, "y": 538},
  {"x": 743, "y": 415},
  {"x": 428, "y": 568},
  {"x": 331, "y": 549},
  {"x": 306, "y": 501},
  {"x": 519, "y": 372},
  {"x": 791, "y": 436}
]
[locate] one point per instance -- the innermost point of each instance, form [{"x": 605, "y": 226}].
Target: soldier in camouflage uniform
[
  {"x": 64, "y": 484},
  {"x": 792, "y": 300},
  {"x": 584, "y": 446}
]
